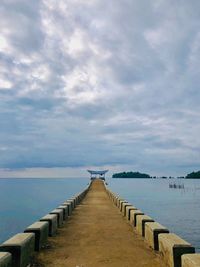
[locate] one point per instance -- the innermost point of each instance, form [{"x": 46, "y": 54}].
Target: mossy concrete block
[
  {"x": 21, "y": 246},
  {"x": 65, "y": 211},
  {"x": 69, "y": 206},
  {"x": 140, "y": 223},
  {"x": 53, "y": 225},
  {"x": 152, "y": 230},
  {"x": 41, "y": 231},
  {"x": 128, "y": 210},
  {"x": 133, "y": 216},
  {"x": 59, "y": 213},
  {"x": 190, "y": 260},
  {"x": 5, "y": 259},
  {"x": 172, "y": 248}
]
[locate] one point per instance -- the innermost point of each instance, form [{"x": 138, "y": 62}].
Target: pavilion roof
[{"x": 97, "y": 172}]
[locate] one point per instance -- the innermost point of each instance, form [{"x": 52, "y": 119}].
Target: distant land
[
  {"x": 130, "y": 175},
  {"x": 193, "y": 175}
]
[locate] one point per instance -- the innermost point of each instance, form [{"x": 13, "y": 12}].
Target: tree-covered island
[
  {"x": 130, "y": 175},
  {"x": 193, "y": 175}
]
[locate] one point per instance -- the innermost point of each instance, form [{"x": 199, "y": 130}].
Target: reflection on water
[
  {"x": 178, "y": 208},
  {"x": 23, "y": 201}
]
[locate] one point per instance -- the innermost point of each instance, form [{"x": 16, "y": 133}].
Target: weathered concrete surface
[
  {"x": 128, "y": 210},
  {"x": 41, "y": 231},
  {"x": 5, "y": 259},
  {"x": 141, "y": 220},
  {"x": 53, "y": 225},
  {"x": 96, "y": 235},
  {"x": 190, "y": 260},
  {"x": 172, "y": 247},
  {"x": 124, "y": 206},
  {"x": 152, "y": 230},
  {"x": 21, "y": 246},
  {"x": 133, "y": 216},
  {"x": 59, "y": 213},
  {"x": 65, "y": 211}
]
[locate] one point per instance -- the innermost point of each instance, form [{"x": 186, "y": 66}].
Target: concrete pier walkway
[{"x": 96, "y": 235}]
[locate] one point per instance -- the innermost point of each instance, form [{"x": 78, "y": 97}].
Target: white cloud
[{"x": 5, "y": 84}]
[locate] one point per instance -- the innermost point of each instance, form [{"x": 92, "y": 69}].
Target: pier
[
  {"x": 97, "y": 228},
  {"x": 97, "y": 235}
]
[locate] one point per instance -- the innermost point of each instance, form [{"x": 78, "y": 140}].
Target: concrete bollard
[
  {"x": 41, "y": 230},
  {"x": 120, "y": 203},
  {"x": 77, "y": 199},
  {"x": 69, "y": 207},
  {"x": 190, "y": 260},
  {"x": 140, "y": 223},
  {"x": 21, "y": 246},
  {"x": 53, "y": 225},
  {"x": 128, "y": 210},
  {"x": 133, "y": 216},
  {"x": 59, "y": 214},
  {"x": 152, "y": 230},
  {"x": 172, "y": 247},
  {"x": 5, "y": 259},
  {"x": 119, "y": 200},
  {"x": 73, "y": 201},
  {"x": 116, "y": 201},
  {"x": 124, "y": 205},
  {"x": 65, "y": 211}
]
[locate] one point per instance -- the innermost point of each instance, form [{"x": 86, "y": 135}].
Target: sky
[{"x": 99, "y": 84}]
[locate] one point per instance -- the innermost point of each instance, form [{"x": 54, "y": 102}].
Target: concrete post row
[
  {"x": 176, "y": 252},
  {"x": 18, "y": 250}
]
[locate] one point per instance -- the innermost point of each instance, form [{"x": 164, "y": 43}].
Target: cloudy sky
[{"x": 103, "y": 84}]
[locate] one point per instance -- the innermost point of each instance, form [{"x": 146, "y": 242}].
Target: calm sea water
[
  {"x": 23, "y": 201},
  {"x": 177, "y": 209}
]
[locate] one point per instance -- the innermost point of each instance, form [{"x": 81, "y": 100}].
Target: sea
[{"x": 175, "y": 203}]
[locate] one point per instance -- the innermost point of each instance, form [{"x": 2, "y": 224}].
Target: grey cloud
[{"x": 100, "y": 83}]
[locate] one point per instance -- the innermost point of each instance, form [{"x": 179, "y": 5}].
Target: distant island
[
  {"x": 193, "y": 175},
  {"x": 130, "y": 175}
]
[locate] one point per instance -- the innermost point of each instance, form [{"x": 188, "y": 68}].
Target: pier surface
[{"x": 96, "y": 235}]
